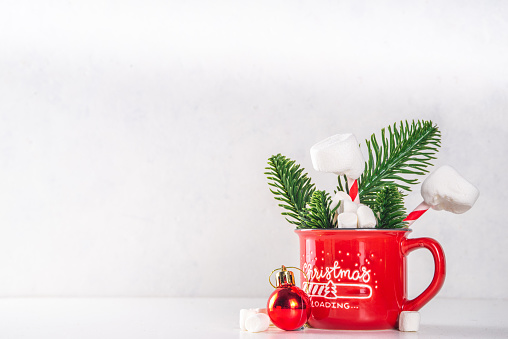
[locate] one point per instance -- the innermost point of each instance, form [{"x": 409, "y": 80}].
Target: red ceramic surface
[{"x": 358, "y": 277}]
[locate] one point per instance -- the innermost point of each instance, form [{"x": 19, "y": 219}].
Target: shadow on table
[
  {"x": 275, "y": 333},
  {"x": 464, "y": 331},
  {"x": 425, "y": 332}
]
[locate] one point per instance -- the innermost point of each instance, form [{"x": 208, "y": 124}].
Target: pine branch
[
  {"x": 389, "y": 208},
  {"x": 318, "y": 213},
  {"x": 407, "y": 150},
  {"x": 292, "y": 187}
]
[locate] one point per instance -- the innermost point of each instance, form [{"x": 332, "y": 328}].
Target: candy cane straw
[
  {"x": 417, "y": 213},
  {"x": 353, "y": 190},
  {"x": 445, "y": 189}
]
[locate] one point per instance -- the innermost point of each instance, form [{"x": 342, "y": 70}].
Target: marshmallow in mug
[
  {"x": 347, "y": 220},
  {"x": 366, "y": 217},
  {"x": 445, "y": 189},
  {"x": 347, "y": 207},
  {"x": 339, "y": 197}
]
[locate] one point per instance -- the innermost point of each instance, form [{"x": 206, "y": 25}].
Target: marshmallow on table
[
  {"x": 347, "y": 220},
  {"x": 366, "y": 217},
  {"x": 445, "y": 189},
  {"x": 257, "y": 323},
  {"x": 261, "y": 310},
  {"x": 244, "y": 314},
  {"x": 409, "y": 321}
]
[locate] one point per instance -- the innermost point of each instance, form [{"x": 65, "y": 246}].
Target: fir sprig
[
  {"x": 317, "y": 213},
  {"x": 389, "y": 208},
  {"x": 292, "y": 187},
  {"x": 406, "y": 150}
]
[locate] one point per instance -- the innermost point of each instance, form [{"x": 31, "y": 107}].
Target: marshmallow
[
  {"x": 347, "y": 220},
  {"x": 445, "y": 189},
  {"x": 257, "y": 323},
  {"x": 261, "y": 310},
  {"x": 244, "y": 314},
  {"x": 347, "y": 207},
  {"x": 339, "y": 154},
  {"x": 340, "y": 196},
  {"x": 409, "y": 321},
  {"x": 366, "y": 218}
]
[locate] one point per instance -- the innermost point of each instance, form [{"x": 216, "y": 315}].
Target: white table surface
[{"x": 218, "y": 318}]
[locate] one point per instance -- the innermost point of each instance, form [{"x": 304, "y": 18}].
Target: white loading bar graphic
[{"x": 330, "y": 290}]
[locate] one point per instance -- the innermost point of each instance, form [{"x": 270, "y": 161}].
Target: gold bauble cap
[{"x": 285, "y": 277}]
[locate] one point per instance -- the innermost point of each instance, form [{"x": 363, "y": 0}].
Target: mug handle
[{"x": 409, "y": 245}]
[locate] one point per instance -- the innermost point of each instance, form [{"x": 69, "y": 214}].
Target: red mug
[{"x": 357, "y": 278}]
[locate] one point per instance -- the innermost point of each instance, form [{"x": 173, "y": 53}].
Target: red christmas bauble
[{"x": 288, "y": 307}]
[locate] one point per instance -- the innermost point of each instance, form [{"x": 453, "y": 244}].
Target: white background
[{"x": 134, "y": 135}]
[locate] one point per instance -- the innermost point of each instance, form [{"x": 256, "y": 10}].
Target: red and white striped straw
[
  {"x": 417, "y": 213},
  {"x": 353, "y": 190}
]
